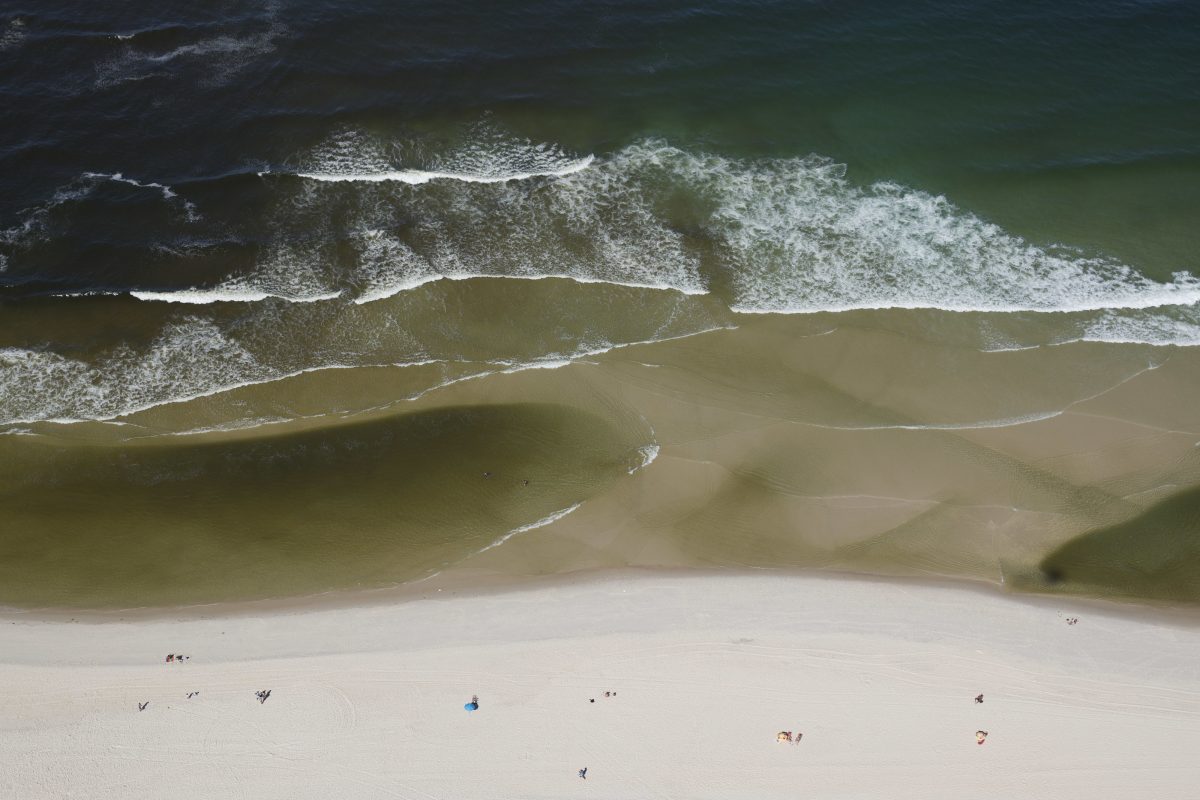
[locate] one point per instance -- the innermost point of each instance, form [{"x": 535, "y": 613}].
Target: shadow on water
[
  {"x": 354, "y": 505},
  {"x": 1155, "y": 555}
]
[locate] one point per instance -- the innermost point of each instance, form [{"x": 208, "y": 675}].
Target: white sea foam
[
  {"x": 596, "y": 225},
  {"x": 234, "y": 425},
  {"x": 13, "y": 34},
  {"x": 351, "y": 156},
  {"x": 796, "y": 236},
  {"x": 35, "y": 220},
  {"x": 648, "y": 454},
  {"x": 417, "y": 177},
  {"x": 541, "y": 523},
  {"x": 190, "y": 358},
  {"x": 222, "y": 56},
  {"x": 560, "y": 360},
  {"x": 167, "y": 192},
  {"x": 1178, "y": 326},
  {"x": 284, "y": 272},
  {"x": 791, "y": 235},
  {"x": 229, "y": 294}
]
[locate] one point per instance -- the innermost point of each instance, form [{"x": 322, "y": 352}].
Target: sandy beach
[{"x": 705, "y": 670}]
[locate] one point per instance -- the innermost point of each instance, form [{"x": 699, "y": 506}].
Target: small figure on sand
[
  {"x": 525, "y": 482},
  {"x": 473, "y": 705},
  {"x": 190, "y": 695},
  {"x": 487, "y": 474},
  {"x": 142, "y": 706},
  {"x": 583, "y": 773},
  {"x": 262, "y": 695},
  {"x": 980, "y": 737},
  {"x": 978, "y": 698},
  {"x": 783, "y": 736},
  {"x": 170, "y": 657},
  {"x": 1072, "y": 620}
]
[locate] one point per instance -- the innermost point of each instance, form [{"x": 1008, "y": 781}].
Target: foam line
[
  {"x": 230, "y": 295},
  {"x": 648, "y": 453},
  {"x": 416, "y": 177},
  {"x": 541, "y": 523}
]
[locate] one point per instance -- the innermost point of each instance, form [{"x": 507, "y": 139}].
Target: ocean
[{"x": 309, "y": 296}]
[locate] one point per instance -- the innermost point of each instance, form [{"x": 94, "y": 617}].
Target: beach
[
  {"x": 703, "y": 672},
  {"x": 740, "y": 399}
]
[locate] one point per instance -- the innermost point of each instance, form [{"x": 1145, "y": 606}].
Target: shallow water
[{"x": 889, "y": 289}]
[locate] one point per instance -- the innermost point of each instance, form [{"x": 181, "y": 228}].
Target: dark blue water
[{"x": 1069, "y": 123}]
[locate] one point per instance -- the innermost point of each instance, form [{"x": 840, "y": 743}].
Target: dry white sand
[{"x": 367, "y": 702}]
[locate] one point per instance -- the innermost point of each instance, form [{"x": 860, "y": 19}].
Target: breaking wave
[
  {"x": 351, "y": 156},
  {"x": 791, "y": 236},
  {"x": 770, "y": 236}
]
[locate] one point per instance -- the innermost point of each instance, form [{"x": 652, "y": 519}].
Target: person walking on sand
[{"x": 583, "y": 773}]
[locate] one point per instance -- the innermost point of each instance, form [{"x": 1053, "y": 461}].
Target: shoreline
[
  {"x": 879, "y": 676},
  {"x": 480, "y": 584}
]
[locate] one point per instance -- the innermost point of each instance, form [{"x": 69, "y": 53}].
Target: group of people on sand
[
  {"x": 177, "y": 657},
  {"x": 794, "y": 738},
  {"x": 261, "y": 694},
  {"x": 980, "y": 736}
]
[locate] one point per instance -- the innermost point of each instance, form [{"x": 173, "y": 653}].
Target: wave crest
[{"x": 353, "y": 157}]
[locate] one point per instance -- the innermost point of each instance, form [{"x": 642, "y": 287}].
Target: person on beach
[
  {"x": 978, "y": 698},
  {"x": 980, "y": 737},
  {"x": 583, "y": 773},
  {"x": 142, "y": 706}
]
